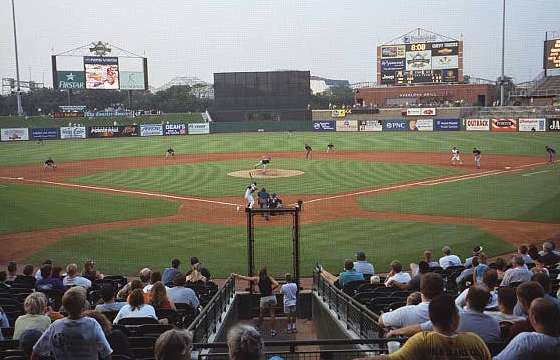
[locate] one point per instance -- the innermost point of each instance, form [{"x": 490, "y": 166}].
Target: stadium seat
[
  {"x": 395, "y": 305},
  {"x": 351, "y": 288},
  {"x": 403, "y": 294},
  {"x": 9, "y": 344},
  {"x": 137, "y": 321},
  {"x": 172, "y": 316},
  {"x": 152, "y": 329}
]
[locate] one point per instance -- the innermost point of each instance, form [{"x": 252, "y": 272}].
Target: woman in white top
[{"x": 135, "y": 307}]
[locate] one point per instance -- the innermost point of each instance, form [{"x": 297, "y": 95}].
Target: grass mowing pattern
[
  {"x": 66, "y": 150},
  {"x": 223, "y": 249},
  {"x": 211, "y": 179},
  {"x": 506, "y": 197},
  {"x": 28, "y": 208}
]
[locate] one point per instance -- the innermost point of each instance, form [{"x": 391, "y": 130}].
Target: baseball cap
[{"x": 477, "y": 249}]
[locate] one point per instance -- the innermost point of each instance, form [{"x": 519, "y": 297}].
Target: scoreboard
[
  {"x": 552, "y": 54},
  {"x": 420, "y": 63}
]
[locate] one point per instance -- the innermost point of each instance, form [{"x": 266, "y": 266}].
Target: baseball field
[{"x": 124, "y": 204}]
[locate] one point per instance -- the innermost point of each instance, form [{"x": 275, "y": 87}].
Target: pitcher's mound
[{"x": 261, "y": 174}]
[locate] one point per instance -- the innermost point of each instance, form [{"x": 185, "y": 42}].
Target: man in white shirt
[
  {"x": 544, "y": 342},
  {"x": 519, "y": 272},
  {"x": 431, "y": 285},
  {"x": 396, "y": 275},
  {"x": 362, "y": 266},
  {"x": 448, "y": 260},
  {"x": 73, "y": 278},
  {"x": 290, "y": 290}
]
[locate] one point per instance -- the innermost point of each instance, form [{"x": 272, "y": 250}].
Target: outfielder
[
  {"x": 456, "y": 156},
  {"x": 551, "y": 154},
  {"x": 249, "y": 195},
  {"x": 476, "y": 154}
]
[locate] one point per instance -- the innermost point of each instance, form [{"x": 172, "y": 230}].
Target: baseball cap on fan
[
  {"x": 360, "y": 255},
  {"x": 477, "y": 249}
]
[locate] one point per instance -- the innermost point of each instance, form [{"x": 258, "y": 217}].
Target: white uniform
[
  {"x": 455, "y": 155},
  {"x": 249, "y": 196}
]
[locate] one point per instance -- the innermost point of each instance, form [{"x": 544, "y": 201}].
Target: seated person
[
  {"x": 429, "y": 260},
  {"x": 181, "y": 294},
  {"x": 362, "y": 265},
  {"x": 90, "y": 271},
  {"x": 47, "y": 282},
  {"x": 475, "y": 253},
  {"x": 108, "y": 298},
  {"x": 159, "y": 299},
  {"x": 506, "y": 303},
  {"x": 519, "y": 272},
  {"x": 144, "y": 277},
  {"x": 274, "y": 202},
  {"x": 448, "y": 259},
  {"x": 489, "y": 283},
  {"x": 396, "y": 275},
  {"x": 116, "y": 338},
  {"x": 26, "y": 279},
  {"x": 73, "y": 278},
  {"x": 35, "y": 306},
  {"x": 349, "y": 274},
  {"x": 135, "y": 307}
]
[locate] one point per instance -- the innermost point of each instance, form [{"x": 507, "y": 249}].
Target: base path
[{"x": 223, "y": 211}]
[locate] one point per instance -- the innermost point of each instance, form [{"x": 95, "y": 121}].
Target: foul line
[
  {"x": 537, "y": 172},
  {"x": 175, "y": 197},
  {"x": 429, "y": 182}
]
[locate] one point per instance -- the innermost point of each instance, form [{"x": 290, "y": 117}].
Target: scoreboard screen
[
  {"x": 420, "y": 63},
  {"x": 552, "y": 54}
]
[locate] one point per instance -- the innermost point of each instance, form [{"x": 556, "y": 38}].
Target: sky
[{"x": 333, "y": 39}]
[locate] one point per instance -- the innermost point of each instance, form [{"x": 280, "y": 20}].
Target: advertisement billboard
[
  {"x": 552, "y": 54},
  {"x": 112, "y": 131},
  {"x": 151, "y": 130},
  {"x": 101, "y": 72},
  {"x": 371, "y": 125},
  {"x": 338, "y": 113},
  {"x": 532, "y": 124},
  {"x": 421, "y": 125},
  {"x": 421, "y": 112},
  {"x": 445, "y": 48},
  {"x": 14, "y": 134},
  {"x": 347, "y": 125},
  {"x": 67, "y": 114},
  {"x": 392, "y": 51},
  {"x": 447, "y": 125},
  {"x": 44, "y": 133},
  {"x": 504, "y": 125},
  {"x": 445, "y": 62},
  {"x": 395, "y": 125},
  {"x": 392, "y": 64},
  {"x": 553, "y": 125},
  {"x": 324, "y": 125},
  {"x": 73, "y": 132},
  {"x": 131, "y": 80},
  {"x": 198, "y": 129},
  {"x": 419, "y": 60},
  {"x": 477, "y": 124},
  {"x": 70, "y": 80},
  {"x": 175, "y": 129}
]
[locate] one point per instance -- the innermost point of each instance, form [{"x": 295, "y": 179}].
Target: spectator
[
  {"x": 446, "y": 341},
  {"x": 38, "y": 275},
  {"x": 108, "y": 297},
  {"x": 4, "y": 323},
  {"x": 116, "y": 338},
  {"x": 74, "y": 336},
  {"x": 468, "y": 273},
  {"x": 501, "y": 267},
  {"x": 275, "y": 202},
  {"x": 144, "y": 276},
  {"x": 266, "y": 284},
  {"x": 55, "y": 273},
  {"x": 549, "y": 257},
  {"x": 195, "y": 276},
  {"x": 169, "y": 273},
  {"x": 526, "y": 293},
  {"x": 73, "y": 277},
  {"x": 26, "y": 279},
  {"x": 245, "y": 343},
  {"x": 539, "y": 267},
  {"x": 448, "y": 260},
  {"x": 475, "y": 253},
  {"x": 12, "y": 271},
  {"x": 544, "y": 342},
  {"x": 396, "y": 275},
  {"x": 362, "y": 266},
  {"x": 290, "y": 290},
  {"x": 544, "y": 280},
  {"x": 414, "y": 283},
  {"x": 135, "y": 307},
  {"x": 489, "y": 283},
  {"x": 506, "y": 303},
  {"x": 173, "y": 344},
  {"x": 159, "y": 299},
  {"x": 431, "y": 285},
  {"x": 3, "y": 278},
  {"x": 414, "y": 298},
  {"x": 204, "y": 271},
  {"x": 523, "y": 250},
  {"x": 429, "y": 260},
  {"x": 35, "y": 306},
  {"x": 47, "y": 282},
  {"x": 349, "y": 274},
  {"x": 519, "y": 272},
  {"x": 154, "y": 278},
  {"x": 481, "y": 269},
  {"x": 90, "y": 271},
  {"x": 181, "y": 294}
]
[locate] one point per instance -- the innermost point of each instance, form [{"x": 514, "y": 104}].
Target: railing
[
  {"x": 356, "y": 317},
  {"x": 207, "y": 322},
  {"x": 305, "y": 349}
]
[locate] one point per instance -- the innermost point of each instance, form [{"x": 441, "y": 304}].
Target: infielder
[
  {"x": 456, "y": 156},
  {"x": 263, "y": 163},
  {"x": 170, "y": 153},
  {"x": 551, "y": 154},
  {"x": 330, "y": 147},
  {"x": 49, "y": 164},
  {"x": 249, "y": 195},
  {"x": 308, "y": 150},
  {"x": 476, "y": 154}
]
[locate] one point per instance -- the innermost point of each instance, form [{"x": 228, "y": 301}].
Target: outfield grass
[
  {"x": 211, "y": 179},
  {"x": 46, "y": 121},
  {"x": 28, "y": 208},
  {"x": 65, "y": 150},
  {"x": 223, "y": 249},
  {"x": 533, "y": 197}
]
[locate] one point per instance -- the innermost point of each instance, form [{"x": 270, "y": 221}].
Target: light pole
[
  {"x": 502, "y": 78},
  {"x": 18, "y": 89}
]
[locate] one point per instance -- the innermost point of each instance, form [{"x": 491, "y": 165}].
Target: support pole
[
  {"x": 502, "y": 78},
  {"x": 18, "y": 88}
]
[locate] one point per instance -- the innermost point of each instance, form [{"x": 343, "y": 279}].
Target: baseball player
[
  {"x": 456, "y": 156},
  {"x": 551, "y": 154},
  {"x": 249, "y": 195},
  {"x": 49, "y": 164},
  {"x": 330, "y": 147},
  {"x": 170, "y": 153},
  {"x": 476, "y": 154},
  {"x": 308, "y": 150},
  {"x": 263, "y": 163}
]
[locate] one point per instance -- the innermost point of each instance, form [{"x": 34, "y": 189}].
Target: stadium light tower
[
  {"x": 502, "y": 78},
  {"x": 18, "y": 89}
]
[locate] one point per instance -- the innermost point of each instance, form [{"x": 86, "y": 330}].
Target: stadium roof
[{"x": 418, "y": 35}]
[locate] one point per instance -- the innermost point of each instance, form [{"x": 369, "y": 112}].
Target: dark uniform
[
  {"x": 308, "y": 150},
  {"x": 49, "y": 163},
  {"x": 476, "y": 154},
  {"x": 551, "y": 154},
  {"x": 330, "y": 147},
  {"x": 170, "y": 152}
]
